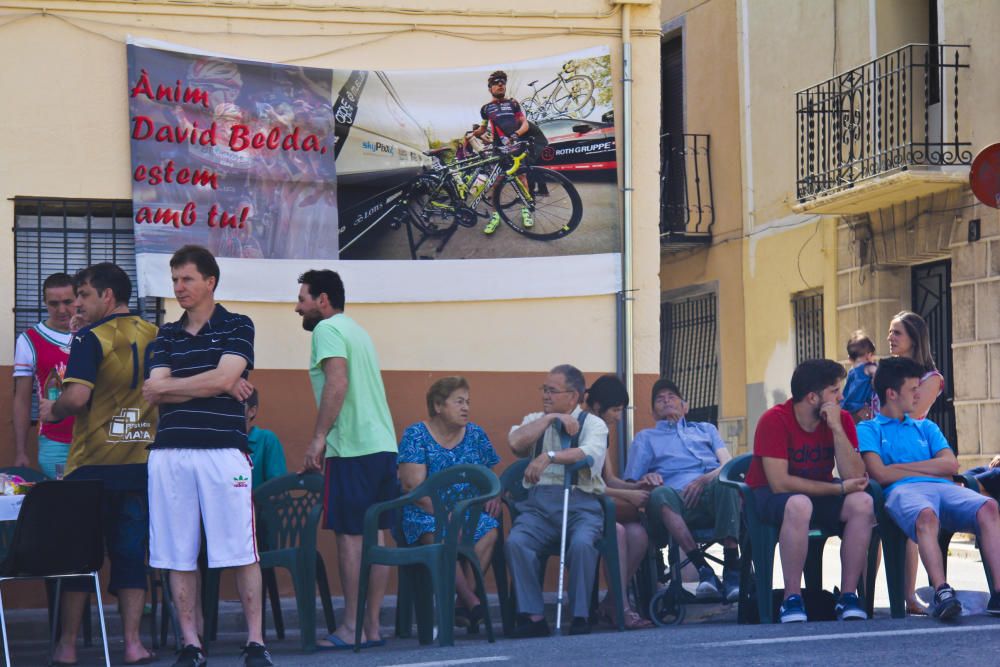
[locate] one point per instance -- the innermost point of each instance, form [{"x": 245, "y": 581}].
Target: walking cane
[{"x": 586, "y": 462}]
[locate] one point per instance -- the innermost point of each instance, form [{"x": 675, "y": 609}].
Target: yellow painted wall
[
  {"x": 711, "y": 78},
  {"x": 788, "y": 46},
  {"x": 66, "y": 115},
  {"x": 777, "y": 265},
  {"x": 901, "y": 22}
]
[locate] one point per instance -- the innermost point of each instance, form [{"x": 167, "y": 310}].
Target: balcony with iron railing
[
  {"x": 687, "y": 205},
  {"x": 883, "y": 132}
]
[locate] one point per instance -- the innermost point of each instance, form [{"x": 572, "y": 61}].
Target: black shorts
[
  {"x": 353, "y": 484},
  {"x": 825, "y": 514}
]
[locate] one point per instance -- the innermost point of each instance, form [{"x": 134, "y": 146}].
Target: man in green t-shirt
[{"x": 354, "y": 433}]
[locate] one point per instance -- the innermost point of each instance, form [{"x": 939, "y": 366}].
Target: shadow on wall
[{"x": 757, "y": 403}]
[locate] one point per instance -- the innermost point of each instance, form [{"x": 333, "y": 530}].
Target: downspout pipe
[{"x": 625, "y": 298}]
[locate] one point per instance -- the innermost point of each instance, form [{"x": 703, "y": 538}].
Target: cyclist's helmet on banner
[{"x": 498, "y": 76}]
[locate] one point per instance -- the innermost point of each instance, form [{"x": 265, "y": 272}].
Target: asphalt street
[
  {"x": 709, "y": 636},
  {"x": 881, "y": 642}
]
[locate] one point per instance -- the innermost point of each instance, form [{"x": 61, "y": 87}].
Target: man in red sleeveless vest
[{"x": 40, "y": 354}]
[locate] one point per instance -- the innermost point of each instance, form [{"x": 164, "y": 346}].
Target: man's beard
[{"x": 309, "y": 322}]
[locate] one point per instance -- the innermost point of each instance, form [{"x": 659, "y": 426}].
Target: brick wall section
[
  {"x": 870, "y": 293},
  {"x": 975, "y": 290}
]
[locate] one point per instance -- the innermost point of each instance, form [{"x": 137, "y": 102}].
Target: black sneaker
[
  {"x": 526, "y": 628},
  {"x": 580, "y": 626},
  {"x": 190, "y": 656},
  {"x": 946, "y": 604},
  {"x": 255, "y": 655},
  {"x": 993, "y": 608}
]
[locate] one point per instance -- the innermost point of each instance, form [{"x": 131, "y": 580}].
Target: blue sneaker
[
  {"x": 793, "y": 610},
  {"x": 849, "y": 608}
]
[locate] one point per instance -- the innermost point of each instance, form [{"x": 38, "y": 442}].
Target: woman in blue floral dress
[{"x": 444, "y": 440}]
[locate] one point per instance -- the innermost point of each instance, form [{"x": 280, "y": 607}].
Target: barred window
[
  {"x": 53, "y": 235},
  {"x": 689, "y": 355},
  {"x": 66, "y": 235},
  {"x": 807, "y": 308}
]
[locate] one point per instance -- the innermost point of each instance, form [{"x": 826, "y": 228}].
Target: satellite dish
[{"x": 984, "y": 177}]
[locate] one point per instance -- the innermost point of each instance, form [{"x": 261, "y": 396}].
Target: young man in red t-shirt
[{"x": 794, "y": 451}]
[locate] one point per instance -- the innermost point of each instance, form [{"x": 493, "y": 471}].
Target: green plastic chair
[
  {"x": 894, "y": 550},
  {"x": 607, "y": 546},
  {"x": 453, "y": 538},
  {"x": 760, "y": 540},
  {"x": 288, "y": 511},
  {"x": 406, "y": 585}
]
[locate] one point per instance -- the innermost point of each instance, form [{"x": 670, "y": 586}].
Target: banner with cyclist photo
[
  {"x": 509, "y": 168},
  {"x": 521, "y": 161}
]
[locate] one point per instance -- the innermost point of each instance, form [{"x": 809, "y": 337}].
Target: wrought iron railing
[
  {"x": 687, "y": 204},
  {"x": 895, "y": 112}
]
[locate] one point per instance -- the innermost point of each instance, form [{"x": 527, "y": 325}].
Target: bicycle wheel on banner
[
  {"x": 531, "y": 109},
  {"x": 430, "y": 206},
  {"x": 553, "y": 211},
  {"x": 576, "y": 98}
]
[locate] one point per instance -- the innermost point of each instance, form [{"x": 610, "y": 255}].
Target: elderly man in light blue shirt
[{"x": 684, "y": 460}]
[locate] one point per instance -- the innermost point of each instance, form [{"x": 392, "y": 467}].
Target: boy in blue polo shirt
[{"x": 914, "y": 463}]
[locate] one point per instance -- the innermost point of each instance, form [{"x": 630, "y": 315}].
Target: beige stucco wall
[
  {"x": 68, "y": 137},
  {"x": 976, "y": 23}
]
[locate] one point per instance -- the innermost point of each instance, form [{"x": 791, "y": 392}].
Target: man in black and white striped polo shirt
[{"x": 199, "y": 466}]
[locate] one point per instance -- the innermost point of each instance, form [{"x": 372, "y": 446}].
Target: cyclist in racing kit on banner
[{"x": 507, "y": 123}]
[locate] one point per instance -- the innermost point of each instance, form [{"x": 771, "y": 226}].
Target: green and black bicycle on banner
[{"x": 539, "y": 203}]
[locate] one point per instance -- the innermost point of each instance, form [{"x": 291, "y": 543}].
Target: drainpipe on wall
[{"x": 625, "y": 298}]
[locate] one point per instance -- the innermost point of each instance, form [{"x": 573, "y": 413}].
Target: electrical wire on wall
[{"x": 470, "y": 30}]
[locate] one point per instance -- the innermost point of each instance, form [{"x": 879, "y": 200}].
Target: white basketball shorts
[{"x": 188, "y": 487}]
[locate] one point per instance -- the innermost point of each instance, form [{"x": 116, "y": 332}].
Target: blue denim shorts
[
  {"x": 955, "y": 506},
  {"x": 126, "y": 532}
]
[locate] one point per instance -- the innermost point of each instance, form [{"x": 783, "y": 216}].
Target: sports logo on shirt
[
  {"x": 241, "y": 482},
  {"x": 127, "y": 427}
]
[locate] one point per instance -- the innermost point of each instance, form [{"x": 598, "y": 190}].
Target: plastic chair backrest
[
  {"x": 59, "y": 530},
  {"x": 479, "y": 481},
  {"x": 27, "y": 474},
  {"x": 735, "y": 471},
  {"x": 288, "y": 508},
  {"x": 511, "y": 485}
]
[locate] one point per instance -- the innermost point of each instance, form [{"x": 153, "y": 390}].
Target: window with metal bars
[
  {"x": 66, "y": 235},
  {"x": 807, "y": 309},
  {"x": 688, "y": 353}
]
